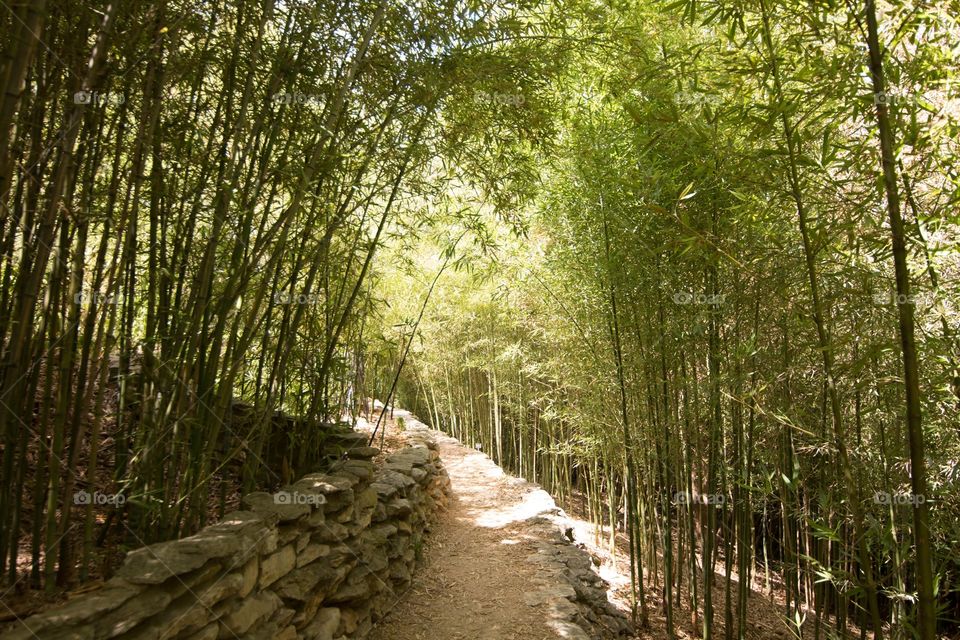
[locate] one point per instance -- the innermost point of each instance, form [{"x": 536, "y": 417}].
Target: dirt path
[{"x": 474, "y": 577}]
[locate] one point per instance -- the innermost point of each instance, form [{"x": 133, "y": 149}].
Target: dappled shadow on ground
[{"x": 765, "y": 619}]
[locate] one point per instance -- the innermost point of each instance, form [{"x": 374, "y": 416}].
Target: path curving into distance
[{"x": 490, "y": 567}]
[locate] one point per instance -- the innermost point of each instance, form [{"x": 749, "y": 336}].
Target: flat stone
[
  {"x": 349, "y": 439},
  {"x": 243, "y": 523},
  {"x": 158, "y": 563},
  {"x": 209, "y": 632},
  {"x": 385, "y": 489},
  {"x": 366, "y": 499},
  {"x": 399, "y": 508},
  {"x": 283, "y": 616},
  {"x": 277, "y": 564},
  {"x": 287, "y": 633},
  {"x": 374, "y": 558},
  {"x": 300, "y": 584},
  {"x": 569, "y": 631},
  {"x": 343, "y": 473},
  {"x": 399, "y": 480},
  {"x": 364, "y": 507},
  {"x": 270, "y": 630},
  {"x": 340, "y": 555},
  {"x": 400, "y": 572},
  {"x": 323, "y": 625},
  {"x": 349, "y": 592},
  {"x": 250, "y": 573},
  {"x": 192, "y": 612},
  {"x": 322, "y": 483},
  {"x": 343, "y": 516},
  {"x": 133, "y": 611},
  {"x": 311, "y": 552},
  {"x": 256, "y": 532},
  {"x": 29, "y": 630},
  {"x": 250, "y": 611},
  {"x": 563, "y": 609},
  {"x": 418, "y": 456},
  {"x": 330, "y": 532},
  {"x": 379, "y": 512},
  {"x": 360, "y": 468},
  {"x": 379, "y": 535},
  {"x": 618, "y": 622},
  {"x": 363, "y": 627},
  {"x": 316, "y": 519},
  {"x": 362, "y": 453},
  {"x": 338, "y": 490},
  {"x": 418, "y": 474},
  {"x": 288, "y": 532},
  {"x": 400, "y": 466},
  {"x": 349, "y": 620},
  {"x": 547, "y": 594}
]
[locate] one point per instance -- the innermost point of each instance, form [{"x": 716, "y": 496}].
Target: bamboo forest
[{"x": 690, "y": 267}]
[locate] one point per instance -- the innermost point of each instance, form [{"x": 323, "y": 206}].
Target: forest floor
[{"x": 473, "y": 577}]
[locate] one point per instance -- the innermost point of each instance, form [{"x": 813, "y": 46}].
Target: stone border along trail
[{"x": 496, "y": 565}]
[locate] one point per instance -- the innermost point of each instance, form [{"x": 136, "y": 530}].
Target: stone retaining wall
[
  {"x": 323, "y": 559},
  {"x": 574, "y": 596}
]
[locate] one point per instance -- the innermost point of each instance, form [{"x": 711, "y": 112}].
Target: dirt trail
[{"x": 474, "y": 576}]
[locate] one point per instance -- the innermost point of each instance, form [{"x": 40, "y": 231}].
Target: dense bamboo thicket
[
  {"x": 694, "y": 263},
  {"x": 732, "y": 324},
  {"x": 192, "y": 198}
]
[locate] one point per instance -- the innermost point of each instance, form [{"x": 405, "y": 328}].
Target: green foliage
[{"x": 670, "y": 127}]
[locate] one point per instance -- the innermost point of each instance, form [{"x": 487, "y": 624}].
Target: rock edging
[{"x": 571, "y": 592}]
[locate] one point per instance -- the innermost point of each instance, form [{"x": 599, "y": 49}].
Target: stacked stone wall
[{"x": 322, "y": 559}]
